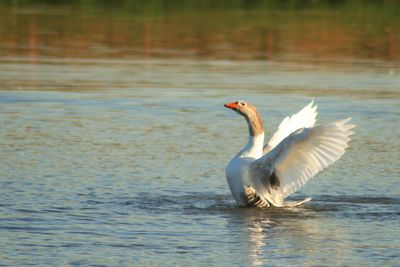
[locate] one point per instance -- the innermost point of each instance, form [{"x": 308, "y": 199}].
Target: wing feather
[
  {"x": 305, "y": 118},
  {"x": 298, "y": 157}
]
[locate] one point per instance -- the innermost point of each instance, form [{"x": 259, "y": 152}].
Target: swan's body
[{"x": 264, "y": 176}]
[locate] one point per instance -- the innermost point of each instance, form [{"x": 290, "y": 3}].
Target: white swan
[{"x": 263, "y": 176}]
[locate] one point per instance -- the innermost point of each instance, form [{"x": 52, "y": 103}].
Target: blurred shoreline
[{"x": 222, "y": 30}]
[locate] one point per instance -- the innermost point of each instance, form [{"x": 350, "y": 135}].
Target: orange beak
[{"x": 232, "y": 105}]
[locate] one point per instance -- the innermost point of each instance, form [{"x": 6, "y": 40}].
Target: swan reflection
[{"x": 293, "y": 234}]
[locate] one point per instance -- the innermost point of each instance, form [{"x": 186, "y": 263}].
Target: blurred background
[{"x": 237, "y": 29}]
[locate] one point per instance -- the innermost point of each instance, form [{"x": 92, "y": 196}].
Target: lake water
[{"x": 115, "y": 156}]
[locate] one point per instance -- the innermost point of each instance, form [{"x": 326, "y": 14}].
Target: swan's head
[
  {"x": 250, "y": 113},
  {"x": 243, "y": 108}
]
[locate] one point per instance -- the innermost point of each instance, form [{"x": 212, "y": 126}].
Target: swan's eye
[{"x": 242, "y": 103}]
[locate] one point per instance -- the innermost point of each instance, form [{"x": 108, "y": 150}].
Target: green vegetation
[
  {"x": 233, "y": 29},
  {"x": 390, "y": 7}
]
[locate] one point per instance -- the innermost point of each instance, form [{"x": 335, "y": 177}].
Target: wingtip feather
[{"x": 344, "y": 121}]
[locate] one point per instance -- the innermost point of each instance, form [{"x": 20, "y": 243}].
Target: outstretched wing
[
  {"x": 305, "y": 118},
  {"x": 299, "y": 157}
]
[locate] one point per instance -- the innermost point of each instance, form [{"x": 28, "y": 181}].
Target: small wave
[
  {"x": 207, "y": 201},
  {"x": 359, "y": 199},
  {"x": 195, "y": 203},
  {"x": 185, "y": 202}
]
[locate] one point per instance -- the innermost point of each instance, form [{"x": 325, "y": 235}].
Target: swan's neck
[
  {"x": 254, "y": 147},
  {"x": 255, "y": 123}
]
